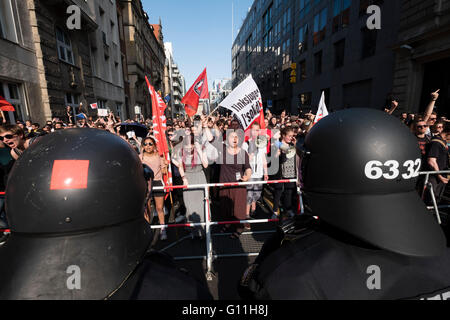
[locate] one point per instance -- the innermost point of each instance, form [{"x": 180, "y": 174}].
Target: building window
[
  {"x": 119, "y": 110},
  {"x": 318, "y": 63},
  {"x": 65, "y": 52},
  {"x": 268, "y": 19},
  {"x": 271, "y": 40},
  {"x": 7, "y": 21},
  {"x": 305, "y": 100},
  {"x": 72, "y": 99},
  {"x": 266, "y": 43},
  {"x": 12, "y": 92},
  {"x": 286, "y": 21},
  {"x": 369, "y": 42},
  {"x": 305, "y": 6},
  {"x": 286, "y": 51},
  {"x": 302, "y": 67},
  {"x": 101, "y": 104},
  {"x": 341, "y": 14},
  {"x": 94, "y": 61},
  {"x": 303, "y": 39},
  {"x": 113, "y": 33},
  {"x": 339, "y": 54},
  {"x": 277, "y": 30},
  {"x": 320, "y": 23}
]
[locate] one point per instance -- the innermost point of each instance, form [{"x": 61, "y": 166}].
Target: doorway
[{"x": 435, "y": 78}]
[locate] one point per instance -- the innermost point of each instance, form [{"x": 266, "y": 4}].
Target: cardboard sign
[
  {"x": 244, "y": 102},
  {"x": 102, "y": 112}
]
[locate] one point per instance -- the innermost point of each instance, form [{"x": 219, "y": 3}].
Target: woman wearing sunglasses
[
  {"x": 150, "y": 157},
  {"x": 14, "y": 137}
]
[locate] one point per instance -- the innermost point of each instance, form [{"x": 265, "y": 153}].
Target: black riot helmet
[
  {"x": 75, "y": 204},
  {"x": 359, "y": 172}
]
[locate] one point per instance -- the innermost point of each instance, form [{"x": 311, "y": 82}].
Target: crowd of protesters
[{"x": 215, "y": 149}]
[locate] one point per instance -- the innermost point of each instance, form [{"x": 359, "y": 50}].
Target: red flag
[
  {"x": 262, "y": 123},
  {"x": 5, "y": 105},
  {"x": 199, "y": 90},
  {"x": 159, "y": 129}
]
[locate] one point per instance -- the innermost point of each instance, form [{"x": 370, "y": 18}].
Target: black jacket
[
  {"x": 158, "y": 278},
  {"x": 317, "y": 262}
]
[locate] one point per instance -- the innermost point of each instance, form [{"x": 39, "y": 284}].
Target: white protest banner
[
  {"x": 137, "y": 110},
  {"x": 322, "y": 112},
  {"x": 245, "y": 102},
  {"x": 102, "y": 112}
]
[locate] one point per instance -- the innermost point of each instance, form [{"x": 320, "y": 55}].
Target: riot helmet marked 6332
[{"x": 359, "y": 172}]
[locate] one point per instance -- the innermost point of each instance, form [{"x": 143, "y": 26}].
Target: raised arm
[
  {"x": 202, "y": 154},
  {"x": 430, "y": 107}
]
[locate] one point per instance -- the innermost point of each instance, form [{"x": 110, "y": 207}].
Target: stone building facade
[
  {"x": 20, "y": 77},
  {"x": 423, "y": 55},
  {"x": 106, "y": 59},
  {"x": 47, "y": 65},
  {"x": 144, "y": 55},
  {"x": 64, "y": 57}
]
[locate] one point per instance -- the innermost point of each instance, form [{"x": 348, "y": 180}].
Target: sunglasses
[
  {"x": 433, "y": 119},
  {"x": 8, "y": 136},
  {"x": 149, "y": 144},
  {"x": 420, "y": 127}
]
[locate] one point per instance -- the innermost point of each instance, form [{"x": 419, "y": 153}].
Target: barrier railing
[
  {"x": 428, "y": 185},
  {"x": 209, "y": 256},
  {"x": 4, "y": 231},
  {"x": 209, "y": 223}
]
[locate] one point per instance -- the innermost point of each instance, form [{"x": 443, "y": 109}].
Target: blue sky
[{"x": 200, "y": 32}]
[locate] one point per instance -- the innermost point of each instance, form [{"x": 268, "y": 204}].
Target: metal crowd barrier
[
  {"x": 427, "y": 185},
  {"x": 3, "y": 231},
  {"x": 209, "y": 256}
]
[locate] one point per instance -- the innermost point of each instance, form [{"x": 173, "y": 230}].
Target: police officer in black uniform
[
  {"x": 366, "y": 234},
  {"x": 75, "y": 205}
]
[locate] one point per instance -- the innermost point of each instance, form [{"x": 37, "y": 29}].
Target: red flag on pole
[
  {"x": 199, "y": 90},
  {"x": 5, "y": 105},
  {"x": 159, "y": 129}
]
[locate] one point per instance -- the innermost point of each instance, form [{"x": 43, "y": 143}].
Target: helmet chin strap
[{"x": 127, "y": 277}]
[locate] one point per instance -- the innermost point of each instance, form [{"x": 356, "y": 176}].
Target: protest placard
[{"x": 244, "y": 102}]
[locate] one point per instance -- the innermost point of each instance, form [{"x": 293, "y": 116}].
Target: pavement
[{"x": 233, "y": 256}]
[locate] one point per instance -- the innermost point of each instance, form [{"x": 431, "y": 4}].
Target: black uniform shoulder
[
  {"x": 160, "y": 279},
  {"x": 330, "y": 264}
]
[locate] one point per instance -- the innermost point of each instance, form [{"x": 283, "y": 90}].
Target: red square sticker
[{"x": 69, "y": 174}]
